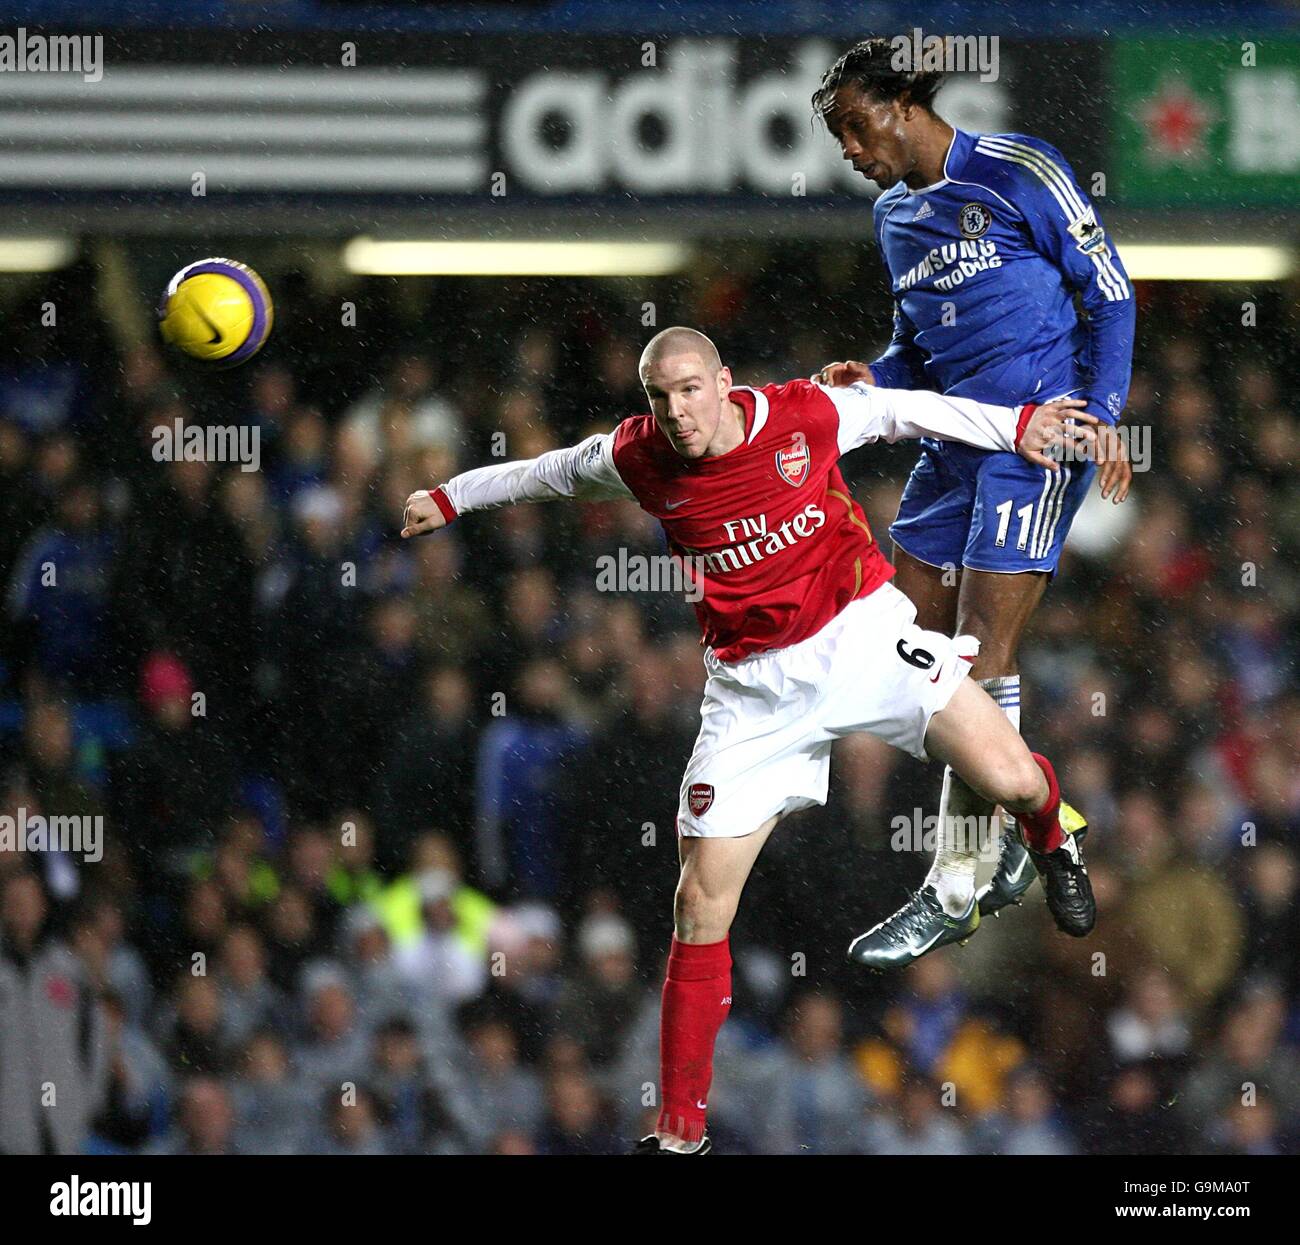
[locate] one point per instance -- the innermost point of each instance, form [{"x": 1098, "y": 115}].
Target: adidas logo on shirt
[{"x": 923, "y": 211}]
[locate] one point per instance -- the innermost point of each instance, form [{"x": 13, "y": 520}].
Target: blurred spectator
[
  {"x": 21, "y": 511},
  {"x": 598, "y": 1007},
  {"x": 439, "y": 962},
  {"x": 1133, "y": 1116},
  {"x": 250, "y": 1001},
  {"x": 521, "y": 837},
  {"x": 921, "y": 1125},
  {"x": 1249, "y": 1128},
  {"x": 52, "y": 1031},
  {"x": 931, "y": 1030},
  {"x": 335, "y": 1051},
  {"x": 404, "y": 414},
  {"x": 197, "y": 1038},
  {"x": 1249, "y": 1061},
  {"x": 1151, "y": 1024},
  {"x": 59, "y": 593},
  {"x": 805, "y": 1097},
  {"x": 352, "y": 1124},
  {"x": 576, "y": 1119},
  {"x": 524, "y": 985},
  {"x": 292, "y": 937},
  {"x": 621, "y": 803},
  {"x": 120, "y": 970},
  {"x": 383, "y": 991},
  {"x": 135, "y": 1099},
  {"x": 1027, "y": 1122},
  {"x": 1185, "y": 918},
  {"x": 169, "y": 820},
  {"x": 204, "y": 1120},
  {"x": 277, "y": 1111},
  {"x": 1271, "y": 901},
  {"x": 401, "y": 904},
  {"x": 418, "y": 1116},
  {"x": 419, "y": 782},
  {"x": 503, "y": 1098}
]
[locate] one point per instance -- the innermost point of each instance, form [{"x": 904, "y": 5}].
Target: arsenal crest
[
  {"x": 793, "y": 463},
  {"x": 699, "y": 797}
]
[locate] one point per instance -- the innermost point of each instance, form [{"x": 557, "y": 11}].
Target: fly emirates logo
[{"x": 750, "y": 541}]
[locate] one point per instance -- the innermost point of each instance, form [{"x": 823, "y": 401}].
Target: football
[{"x": 217, "y": 311}]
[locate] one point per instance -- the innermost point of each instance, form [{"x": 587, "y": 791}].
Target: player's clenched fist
[
  {"x": 1062, "y": 424},
  {"x": 422, "y": 514},
  {"x": 841, "y": 375}
]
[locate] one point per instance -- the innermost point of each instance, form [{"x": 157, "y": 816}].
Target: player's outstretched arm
[
  {"x": 868, "y": 413},
  {"x": 585, "y": 471}
]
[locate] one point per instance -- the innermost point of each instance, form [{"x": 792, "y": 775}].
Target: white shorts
[{"x": 768, "y": 721}]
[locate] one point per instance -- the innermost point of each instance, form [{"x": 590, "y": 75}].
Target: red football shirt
[{"x": 781, "y": 545}]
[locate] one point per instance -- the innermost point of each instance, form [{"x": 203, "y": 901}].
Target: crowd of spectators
[{"x": 388, "y": 849}]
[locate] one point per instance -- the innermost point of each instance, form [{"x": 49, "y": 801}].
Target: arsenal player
[{"x": 806, "y": 640}]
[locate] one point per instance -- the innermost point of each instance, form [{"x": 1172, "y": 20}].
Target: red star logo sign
[{"x": 1176, "y": 122}]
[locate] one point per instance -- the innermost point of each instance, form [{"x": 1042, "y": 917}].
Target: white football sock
[
  {"x": 1005, "y": 690},
  {"x": 963, "y": 815},
  {"x": 957, "y": 852}
]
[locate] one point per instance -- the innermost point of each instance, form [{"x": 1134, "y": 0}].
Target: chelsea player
[{"x": 989, "y": 242}]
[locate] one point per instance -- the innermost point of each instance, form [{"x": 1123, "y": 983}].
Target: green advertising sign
[{"x": 1206, "y": 122}]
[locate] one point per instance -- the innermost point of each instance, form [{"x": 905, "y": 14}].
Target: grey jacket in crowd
[{"x": 52, "y": 1049}]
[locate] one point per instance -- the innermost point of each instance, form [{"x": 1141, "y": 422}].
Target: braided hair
[{"x": 870, "y": 66}]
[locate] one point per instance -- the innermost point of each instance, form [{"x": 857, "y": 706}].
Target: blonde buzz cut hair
[{"x": 680, "y": 340}]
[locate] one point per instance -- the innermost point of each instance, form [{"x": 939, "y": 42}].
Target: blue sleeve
[
  {"x": 902, "y": 366},
  {"x": 1065, "y": 228}
]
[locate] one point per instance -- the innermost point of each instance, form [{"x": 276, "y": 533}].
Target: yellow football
[{"x": 216, "y": 310}]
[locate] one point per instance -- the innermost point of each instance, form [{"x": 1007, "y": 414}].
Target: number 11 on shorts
[{"x": 1004, "y": 522}]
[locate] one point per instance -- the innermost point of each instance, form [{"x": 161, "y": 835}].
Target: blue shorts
[{"x": 987, "y": 510}]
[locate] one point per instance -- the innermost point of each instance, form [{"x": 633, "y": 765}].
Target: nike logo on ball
[{"x": 215, "y": 339}]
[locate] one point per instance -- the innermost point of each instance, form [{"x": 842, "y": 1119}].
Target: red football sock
[
  {"x": 696, "y": 1000},
  {"x": 1042, "y": 829}
]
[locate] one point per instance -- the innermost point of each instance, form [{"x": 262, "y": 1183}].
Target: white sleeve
[
  {"x": 584, "y": 471},
  {"x": 868, "y": 413}
]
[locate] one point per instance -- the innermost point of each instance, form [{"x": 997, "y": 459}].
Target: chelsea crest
[{"x": 974, "y": 220}]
